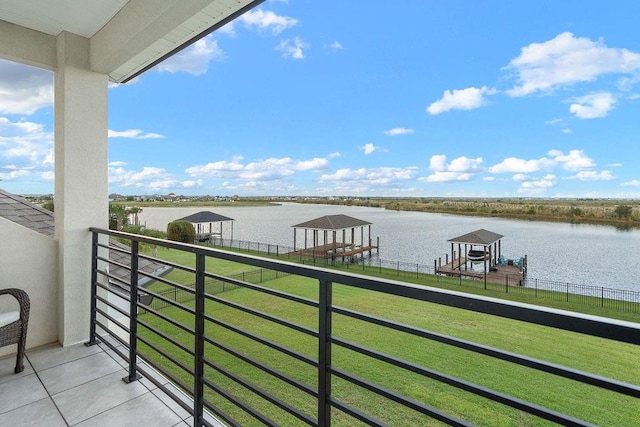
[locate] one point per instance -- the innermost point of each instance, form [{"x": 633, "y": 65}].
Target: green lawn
[{"x": 602, "y": 357}]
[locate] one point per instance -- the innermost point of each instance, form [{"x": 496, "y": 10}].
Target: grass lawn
[{"x": 595, "y": 355}]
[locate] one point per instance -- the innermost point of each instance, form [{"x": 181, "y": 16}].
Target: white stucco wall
[{"x": 28, "y": 261}]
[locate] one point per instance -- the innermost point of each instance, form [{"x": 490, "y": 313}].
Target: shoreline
[{"x": 618, "y": 213}]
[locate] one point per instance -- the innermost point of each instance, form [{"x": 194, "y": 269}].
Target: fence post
[
  {"x": 602, "y": 298},
  {"x": 94, "y": 290},
  {"x": 324, "y": 353},
  {"x": 133, "y": 315},
  {"x": 198, "y": 369}
]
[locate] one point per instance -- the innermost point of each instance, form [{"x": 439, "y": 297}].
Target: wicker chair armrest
[{"x": 23, "y": 300}]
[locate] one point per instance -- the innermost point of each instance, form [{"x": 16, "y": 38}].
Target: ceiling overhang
[{"x": 126, "y": 37}]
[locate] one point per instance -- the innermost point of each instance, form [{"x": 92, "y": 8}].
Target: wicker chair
[{"x": 13, "y": 325}]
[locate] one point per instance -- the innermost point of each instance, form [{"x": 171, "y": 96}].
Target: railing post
[
  {"x": 198, "y": 375},
  {"x": 133, "y": 315},
  {"x": 324, "y": 353},
  {"x": 94, "y": 290}
]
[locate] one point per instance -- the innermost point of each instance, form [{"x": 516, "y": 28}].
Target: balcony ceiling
[{"x": 127, "y": 36}]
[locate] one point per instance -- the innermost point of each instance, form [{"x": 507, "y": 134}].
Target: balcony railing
[{"x": 295, "y": 344}]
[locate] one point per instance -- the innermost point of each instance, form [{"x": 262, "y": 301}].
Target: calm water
[{"x": 577, "y": 253}]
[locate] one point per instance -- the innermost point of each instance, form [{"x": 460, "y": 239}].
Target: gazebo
[
  {"x": 325, "y": 237},
  {"x": 200, "y": 221},
  {"x": 488, "y": 241}
]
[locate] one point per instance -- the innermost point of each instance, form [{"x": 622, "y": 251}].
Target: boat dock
[
  {"x": 509, "y": 273},
  {"x": 479, "y": 256},
  {"x": 333, "y": 251}
]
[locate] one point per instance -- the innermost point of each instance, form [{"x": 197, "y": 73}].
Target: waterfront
[{"x": 577, "y": 253}]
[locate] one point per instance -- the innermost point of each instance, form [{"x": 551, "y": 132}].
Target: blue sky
[{"x": 331, "y": 98}]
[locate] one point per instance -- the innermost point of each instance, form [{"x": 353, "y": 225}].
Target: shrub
[{"x": 181, "y": 231}]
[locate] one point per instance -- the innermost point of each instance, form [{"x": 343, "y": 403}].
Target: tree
[
  {"x": 623, "y": 211},
  {"x": 181, "y": 231},
  {"x": 48, "y": 205},
  {"x": 118, "y": 217}
]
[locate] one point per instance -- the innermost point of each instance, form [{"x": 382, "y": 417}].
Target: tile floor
[{"x": 81, "y": 386}]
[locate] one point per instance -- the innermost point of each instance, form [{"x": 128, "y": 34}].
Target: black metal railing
[{"x": 287, "y": 350}]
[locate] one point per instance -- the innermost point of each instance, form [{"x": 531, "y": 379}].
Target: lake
[{"x": 584, "y": 254}]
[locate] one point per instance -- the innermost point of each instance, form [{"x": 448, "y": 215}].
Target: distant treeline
[{"x": 623, "y": 213}]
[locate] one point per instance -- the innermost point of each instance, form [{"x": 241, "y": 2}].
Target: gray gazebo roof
[
  {"x": 478, "y": 237},
  {"x": 332, "y": 222},
  {"x": 205, "y": 216}
]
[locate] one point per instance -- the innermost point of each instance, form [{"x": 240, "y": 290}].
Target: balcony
[
  {"x": 230, "y": 350},
  {"x": 80, "y": 385}
]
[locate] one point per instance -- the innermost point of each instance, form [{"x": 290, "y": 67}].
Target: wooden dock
[
  {"x": 334, "y": 251},
  {"x": 504, "y": 274}
]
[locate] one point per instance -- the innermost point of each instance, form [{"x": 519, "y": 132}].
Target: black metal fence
[
  {"x": 616, "y": 299},
  {"x": 212, "y": 286},
  {"x": 243, "y": 359}
]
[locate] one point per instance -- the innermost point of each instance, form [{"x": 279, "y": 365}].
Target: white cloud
[
  {"x": 438, "y": 163},
  {"x": 267, "y": 21},
  {"x": 314, "y": 164},
  {"x": 192, "y": 183},
  {"x": 193, "y": 59},
  {"x": 133, "y": 134},
  {"x": 335, "y": 46},
  {"x": 592, "y": 106},
  {"x": 593, "y": 176},
  {"x": 398, "y": 131},
  {"x": 448, "y": 177},
  {"x": 25, "y": 148},
  {"x": 632, "y": 183},
  {"x": 459, "y": 169},
  {"x": 24, "y": 89},
  {"x": 537, "y": 186},
  {"x": 368, "y": 148},
  {"x": 260, "y": 170},
  {"x": 566, "y": 60},
  {"x": 383, "y": 176},
  {"x": 520, "y": 166},
  {"x": 460, "y": 99},
  {"x": 149, "y": 178},
  {"x": 566, "y": 131},
  {"x": 293, "y": 48},
  {"x": 574, "y": 161}
]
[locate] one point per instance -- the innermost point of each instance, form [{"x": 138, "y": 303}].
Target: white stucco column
[{"x": 81, "y": 187}]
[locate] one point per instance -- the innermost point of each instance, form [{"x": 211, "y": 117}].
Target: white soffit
[
  {"x": 127, "y": 36},
  {"x": 81, "y": 17},
  {"x": 215, "y": 13}
]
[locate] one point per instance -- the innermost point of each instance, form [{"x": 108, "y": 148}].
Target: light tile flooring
[{"x": 81, "y": 386}]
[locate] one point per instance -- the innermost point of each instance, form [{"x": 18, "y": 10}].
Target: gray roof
[
  {"x": 205, "y": 216},
  {"x": 332, "y": 222},
  {"x": 121, "y": 254},
  {"x": 478, "y": 237},
  {"x": 25, "y": 213}
]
